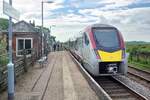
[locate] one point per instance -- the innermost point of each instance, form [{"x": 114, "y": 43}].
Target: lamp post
[
  {"x": 10, "y": 65},
  {"x": 42, "y": 3},
  {"x": 12, "y": 13}
]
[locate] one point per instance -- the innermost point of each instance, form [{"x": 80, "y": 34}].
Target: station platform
[{"x": 60, "y": 79}]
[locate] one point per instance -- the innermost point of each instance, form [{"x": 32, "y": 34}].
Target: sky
[{"x": 69, "y": 17}]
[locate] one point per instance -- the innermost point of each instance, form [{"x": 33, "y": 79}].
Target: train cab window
[
  {"x": 86, "y": 39},
  {"x": 106, "y": 38}
]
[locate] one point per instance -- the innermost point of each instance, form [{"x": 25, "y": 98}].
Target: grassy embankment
[{"x": 139, "y": 54}]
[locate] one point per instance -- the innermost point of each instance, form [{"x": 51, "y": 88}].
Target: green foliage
[
  {"x": 141, "y": 48},
  {"x": 139, "y": 53},
  {"x": 44, "y": 28},
  {"x": 3, "y": 23},
  {"x": 3, "y": 60},
  {"x": 140, "y": 66}
]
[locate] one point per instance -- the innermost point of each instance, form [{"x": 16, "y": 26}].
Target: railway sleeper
[
  {"x": 106, "y": 87},
  {"x": 105, "y": 82},
  {"x": 130, "y": 98},
  {"x": 121, "y": 95},
  {"x": 116, "y": 91}
]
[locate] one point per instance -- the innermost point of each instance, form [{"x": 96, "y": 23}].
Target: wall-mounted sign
[{"x": 10, "y": 11}]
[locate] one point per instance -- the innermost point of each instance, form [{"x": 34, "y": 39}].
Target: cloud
[
  {"x": 70, "y": 16},
  {"x": 133, "y": 23},
  {"x": 66, "y": 32},
  {"x": 129, "y": 16}
]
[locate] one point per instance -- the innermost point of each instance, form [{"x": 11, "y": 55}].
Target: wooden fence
[{"x": 21, "y": 65}]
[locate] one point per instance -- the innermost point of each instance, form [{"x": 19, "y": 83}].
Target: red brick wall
[{"x": 36, "y": 41}]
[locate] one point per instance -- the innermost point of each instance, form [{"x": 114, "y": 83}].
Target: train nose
[{"x": 110, "y": 56}]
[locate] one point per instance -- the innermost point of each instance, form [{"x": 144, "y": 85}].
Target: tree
[{"x": 4, "y": 23}]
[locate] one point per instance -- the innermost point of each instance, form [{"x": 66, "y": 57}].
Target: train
[{"x": 101, "y": 49}]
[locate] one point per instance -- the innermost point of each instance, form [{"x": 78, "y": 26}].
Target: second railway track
[{"x": 142, "y": 77}]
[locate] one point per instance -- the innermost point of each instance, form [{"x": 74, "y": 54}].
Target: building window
[{"x": 23, "y": 43}]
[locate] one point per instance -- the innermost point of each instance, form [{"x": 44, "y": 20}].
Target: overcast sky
[{"x": 68, "y": 17}]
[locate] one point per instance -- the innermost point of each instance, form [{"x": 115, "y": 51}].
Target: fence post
[
  {"x": 0, "y": 74},
  {"x": 146, "y": 58},
  {"x": 25, "y": 60},
  {"x": 32, "y": 56},
  {"x": 130, "y": 56},
  {"x": 138, "y": 58}
]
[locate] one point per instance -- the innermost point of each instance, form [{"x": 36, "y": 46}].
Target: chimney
[{"x": 32, "y": 23}]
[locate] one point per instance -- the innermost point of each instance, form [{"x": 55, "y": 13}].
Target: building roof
[{"x": 23, "y": 26}]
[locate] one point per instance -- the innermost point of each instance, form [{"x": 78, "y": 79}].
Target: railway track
[
  {"x": 109, "y": 88},
  {"x": 142, "y": 77},
  {"x": 116, "y": 90}
]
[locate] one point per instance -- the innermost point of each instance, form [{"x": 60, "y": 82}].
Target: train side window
[{"x": 86, "y": 39}]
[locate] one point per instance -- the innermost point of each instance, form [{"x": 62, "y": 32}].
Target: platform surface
[{"x": 60, "y": 79}]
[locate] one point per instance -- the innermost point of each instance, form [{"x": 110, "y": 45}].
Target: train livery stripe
[
  {"x": 110, "y": 57},
  {"x": 90, "y": 33}
]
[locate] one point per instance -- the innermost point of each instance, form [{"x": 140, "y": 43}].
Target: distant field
[{"x": 139, "y": 54}]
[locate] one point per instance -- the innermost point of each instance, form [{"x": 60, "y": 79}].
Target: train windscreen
[{"x": 106, "y": 38}]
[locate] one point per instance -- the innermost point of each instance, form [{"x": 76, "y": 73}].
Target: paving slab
[{"x": 60, "y": 79}]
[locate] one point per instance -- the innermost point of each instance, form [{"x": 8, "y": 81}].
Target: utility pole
[{"x": 42, "y": 30}]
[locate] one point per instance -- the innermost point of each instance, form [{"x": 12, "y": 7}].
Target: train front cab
[
  {"x": 111, "y": 63},
  {"x": 109, "y": 51}
]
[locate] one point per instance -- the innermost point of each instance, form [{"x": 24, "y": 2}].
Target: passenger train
[{"x": 102, "y": 51}]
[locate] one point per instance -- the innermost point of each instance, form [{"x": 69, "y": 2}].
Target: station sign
[{"x": 10, "y": 11}]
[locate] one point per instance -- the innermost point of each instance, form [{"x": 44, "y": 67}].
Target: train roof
[{"x": 101, "y": 25}]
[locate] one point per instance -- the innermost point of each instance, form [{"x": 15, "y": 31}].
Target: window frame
[{"x": 17, "y": 39}]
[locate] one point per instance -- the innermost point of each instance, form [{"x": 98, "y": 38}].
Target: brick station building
[{"x": 26, "y": 36}]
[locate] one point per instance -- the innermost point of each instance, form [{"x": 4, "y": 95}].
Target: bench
[{"x": 42, "y": 61}]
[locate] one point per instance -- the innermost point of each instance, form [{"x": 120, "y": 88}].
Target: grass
[
  {"x": 139, "y": 51},
  {"x": 140, "y": 66}
]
